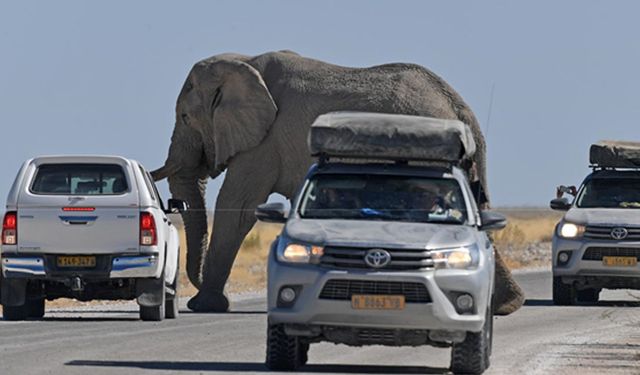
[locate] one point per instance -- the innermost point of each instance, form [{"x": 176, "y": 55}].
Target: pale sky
[{"x": 79, "y": 77}]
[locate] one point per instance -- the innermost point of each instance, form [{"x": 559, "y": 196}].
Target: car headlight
[
  {"x": 570, "y": 230},
  {"x": 466, "y": 257},
  {"x": 297, "y": 253}
]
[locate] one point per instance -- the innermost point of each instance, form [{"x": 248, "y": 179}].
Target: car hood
[
  {"x": 391, "y": 234},
  {"x": 604, "y": 216}
]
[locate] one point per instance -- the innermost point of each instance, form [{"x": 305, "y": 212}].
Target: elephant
[{"x": 250, "y": 116}]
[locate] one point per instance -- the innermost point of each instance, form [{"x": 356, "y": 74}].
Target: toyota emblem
[
  {"x": 377, "y": 258},
  {"x": 619, "y": 233}
]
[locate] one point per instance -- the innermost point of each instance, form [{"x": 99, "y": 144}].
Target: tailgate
[
  {"x": 79, "y": 208},
  {"x": 102, "y": 231}
]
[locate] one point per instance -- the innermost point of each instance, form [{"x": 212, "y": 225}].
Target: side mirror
[
  {"x": 561, "y": 204},
  {"x": 492, "y": 220},
  {"x": 271, "y": 213},
  {"x": 177, "y": 206}
]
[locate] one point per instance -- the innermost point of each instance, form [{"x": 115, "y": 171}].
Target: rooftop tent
[
  {"x": 615, "y": 154},
  {"x": 390, "y": 137}
]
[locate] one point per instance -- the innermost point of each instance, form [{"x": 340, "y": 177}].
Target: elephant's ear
[{"x": 242, "y": 109}]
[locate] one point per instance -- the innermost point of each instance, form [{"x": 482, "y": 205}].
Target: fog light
[
  {"x": 563, "y": 257},
  {"x": 464, "y": 302},
  {"x": 287, "y": 295}
]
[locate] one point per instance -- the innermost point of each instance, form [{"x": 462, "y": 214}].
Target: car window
[
  {"x": 80, "y": 179},
  {"x": 150, "y": 187},
  {"x": 610, "y": 193},
  {"x": 149, "y": 180},
  {"x": 376, "y": 197}
]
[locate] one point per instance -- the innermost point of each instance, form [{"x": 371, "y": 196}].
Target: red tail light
[
  {"x": 148, "y": 233},
  {"x": 10, "y": 228},
  {"x": 81, "y": 209}
]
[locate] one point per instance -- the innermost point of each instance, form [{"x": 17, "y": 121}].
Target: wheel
[
  {"x": 563, "y": 294},
  {"x": 35, "y": 308},
  {"x": 155, "y": 313},
  {"x": 172, "y": 303},
  {"x": 15, "y": 312},
  {"x": 588, "y": 295},
  {"x": 472, "y": 356},
  {"x": 284, "y": 352}
]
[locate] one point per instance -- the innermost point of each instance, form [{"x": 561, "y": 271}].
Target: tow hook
[{"x": 76, "y": 284}]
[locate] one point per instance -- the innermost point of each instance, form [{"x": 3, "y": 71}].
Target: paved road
[{"x": 538, "y": 339}]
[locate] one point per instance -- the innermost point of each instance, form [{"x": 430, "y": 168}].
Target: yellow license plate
[
  {"x": 373, "y": 302},
  {"x": 620, "y": 261},
  {"x": 77, "y": 261}
]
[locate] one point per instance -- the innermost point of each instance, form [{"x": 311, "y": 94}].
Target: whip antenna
[{"x": 493, "y": 87}]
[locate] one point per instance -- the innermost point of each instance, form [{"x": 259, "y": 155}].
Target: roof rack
[{"x": 390, "y": 138}]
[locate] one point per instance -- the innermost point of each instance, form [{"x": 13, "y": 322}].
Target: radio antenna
[{"x": 486, "y": 136}]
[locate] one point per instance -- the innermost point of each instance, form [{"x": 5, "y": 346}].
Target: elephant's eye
[{"x": 185, "y": 119}]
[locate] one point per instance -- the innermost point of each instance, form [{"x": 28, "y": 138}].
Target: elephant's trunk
[
  {"x": 165, "y": 171},
  {"x": 192, "y": 190}
]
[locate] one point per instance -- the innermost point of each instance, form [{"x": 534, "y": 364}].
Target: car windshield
[
  {"x": 610, "y": 193},
  {"x": 392, "y": 198},
  {"x": 79, "y": 179}
]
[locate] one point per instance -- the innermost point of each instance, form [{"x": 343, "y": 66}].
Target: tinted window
[
  {"x": 610, "y": 193},
  {"x": 374, "y": 197},
  {"x": 80, "y": 179}
]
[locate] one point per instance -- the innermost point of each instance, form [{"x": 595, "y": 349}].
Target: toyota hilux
[
  {"x": 596, "y": 245},
  {"x": 385, "y": 250},
  {"x": 88, "y": 227}
]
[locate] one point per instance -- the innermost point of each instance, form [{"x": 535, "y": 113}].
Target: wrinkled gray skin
[{"x": 250, "y": 116}]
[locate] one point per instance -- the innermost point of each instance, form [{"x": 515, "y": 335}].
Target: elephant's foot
[
  {"x": 213, "y": 302},
  {"x": 508, "y": 297}
]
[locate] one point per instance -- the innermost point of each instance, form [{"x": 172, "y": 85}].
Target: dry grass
[
  {"x": 525, "y": 240},
  {"x": 249, "y": 271}
]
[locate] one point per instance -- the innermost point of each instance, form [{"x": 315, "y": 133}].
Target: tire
[
  {"x": 472, "y": 356},
  {"x": 35, "y": 308},
  {"x": 563, "y": 294},
  {"x": 590, "y": 296},
  {"x": 155, "y": 313},
  {"x": 172, "y": 303},
  {"x": 15, "y": 313},
  {"x": 284, "y": 353}
]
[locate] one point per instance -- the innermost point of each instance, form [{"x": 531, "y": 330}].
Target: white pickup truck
[{"x": 88, "y": 227}]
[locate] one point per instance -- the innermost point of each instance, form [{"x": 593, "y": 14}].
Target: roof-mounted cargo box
[
  {"x": 615, "y": 154},
  {"x": 378, "y": 136}
]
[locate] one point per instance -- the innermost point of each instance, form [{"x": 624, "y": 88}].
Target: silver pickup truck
[
  {"x": 88, "y": 227},
  {"x": 382, "y": 253},
  {"x": 596, "y": 245}
]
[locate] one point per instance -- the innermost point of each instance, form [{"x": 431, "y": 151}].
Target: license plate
[
  {"x": 620, "y": 261},
  {"x": 373, "y": 302},
  {"x": 77, "y": 261}
]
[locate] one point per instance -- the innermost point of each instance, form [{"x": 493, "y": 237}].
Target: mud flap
[
  {"x": 14, "y": 292},
  {"x": 150, "y": 292}
]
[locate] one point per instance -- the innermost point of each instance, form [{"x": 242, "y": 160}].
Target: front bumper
[
  {"x": 580, "y": 270},
  {"x": 439, "y": 314},
  {"x": 113, "y": 266}
]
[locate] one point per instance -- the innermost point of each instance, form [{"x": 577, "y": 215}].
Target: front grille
[
  {"x": 604, "y": 233},
  {"x": 353, "y": 257},
  {"x": 344, "y": 289},
  {"x": 597, "y": 253}
]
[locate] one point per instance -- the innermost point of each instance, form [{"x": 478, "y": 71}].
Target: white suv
[{"x": 88, "y": 227}]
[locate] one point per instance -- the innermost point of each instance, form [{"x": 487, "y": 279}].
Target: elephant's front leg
[{"x": 234, "y": 217}]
